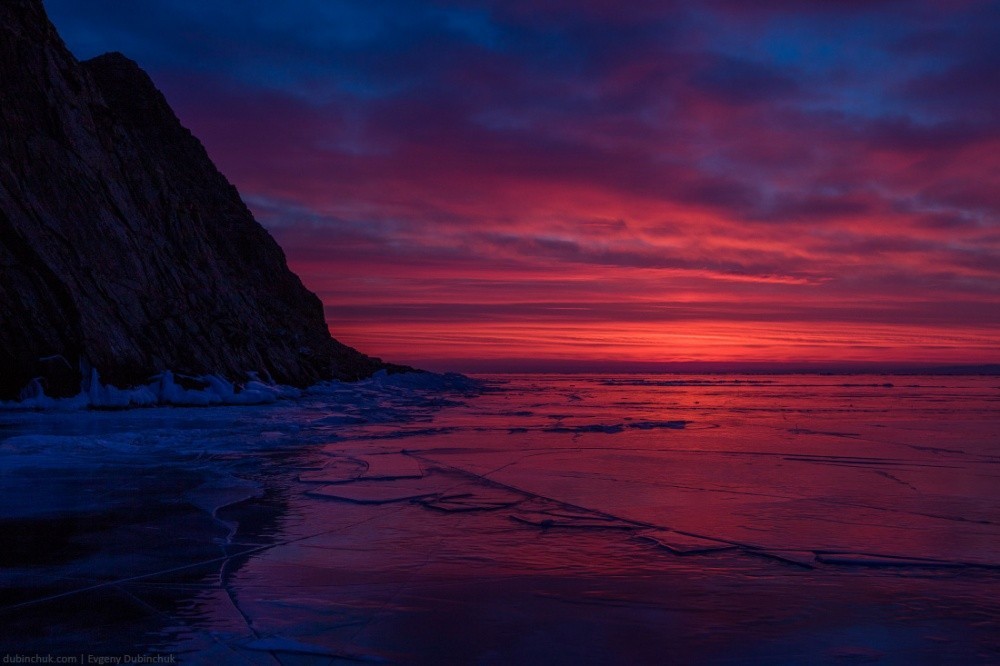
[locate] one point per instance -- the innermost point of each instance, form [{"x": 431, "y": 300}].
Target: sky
[{"x": 552, "y": 184}]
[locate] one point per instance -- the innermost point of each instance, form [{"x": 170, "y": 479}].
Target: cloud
[{"x": 586, "y": 172}]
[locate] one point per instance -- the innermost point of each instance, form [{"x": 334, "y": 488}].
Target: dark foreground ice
[{"x": 534, "y": 519}]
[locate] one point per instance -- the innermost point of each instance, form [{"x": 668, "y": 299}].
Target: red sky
[{"x": 577, "y": 182}]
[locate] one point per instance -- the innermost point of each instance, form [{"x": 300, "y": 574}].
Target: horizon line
[{"x": 568, "y": 367}]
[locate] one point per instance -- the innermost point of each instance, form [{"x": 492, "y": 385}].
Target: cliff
[{"x": 122, "y": 247}]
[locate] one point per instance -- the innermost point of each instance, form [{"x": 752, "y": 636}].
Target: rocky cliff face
[{"x": 122, "y": 247}]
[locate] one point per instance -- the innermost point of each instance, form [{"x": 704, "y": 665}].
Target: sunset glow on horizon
[{"x": 654, "y": 182}]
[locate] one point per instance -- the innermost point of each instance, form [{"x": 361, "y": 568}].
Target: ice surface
[
  {"x": 277, "y": 644},
  {"x": 530, "y": 519}
]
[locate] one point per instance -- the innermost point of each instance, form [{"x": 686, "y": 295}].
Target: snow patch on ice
[
  {"x": 33, "y": 398},
  {"x": 161, "y": 390},
  {"x": 165, "y": 389}
]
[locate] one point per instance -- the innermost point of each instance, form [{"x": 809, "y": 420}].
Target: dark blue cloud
[
  {"x": 738, "y": 81},
  {"x": 868, "y": 58}
]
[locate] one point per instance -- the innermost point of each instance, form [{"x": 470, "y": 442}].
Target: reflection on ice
[{"x": 531, "y": 519}]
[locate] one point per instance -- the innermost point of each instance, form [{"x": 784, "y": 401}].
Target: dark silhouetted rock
[{"x": 122, "y": 247}]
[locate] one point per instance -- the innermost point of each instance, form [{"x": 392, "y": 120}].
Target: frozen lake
[{"x": 529, "y": 519}]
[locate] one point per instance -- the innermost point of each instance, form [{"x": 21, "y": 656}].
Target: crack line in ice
[
  {"x": 231, "y": 596},
  {"x": 171, "y": 619},
  {"x": 823, "y": 500},
  {"x": 864, "y": 462},
  {"x": 746, "y": 548},
  {"x": 898, "y": 480},
  {"x": 483, "y": 478}
]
